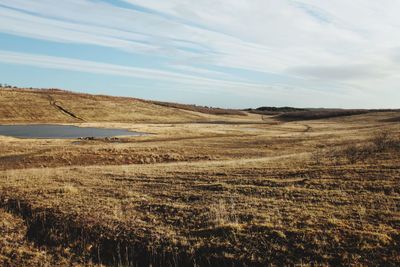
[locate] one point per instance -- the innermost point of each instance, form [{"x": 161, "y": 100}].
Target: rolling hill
[{"x": 59, "y": 106}]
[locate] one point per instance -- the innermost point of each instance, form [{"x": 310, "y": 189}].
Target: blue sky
[{"x": 228, "y": 53}]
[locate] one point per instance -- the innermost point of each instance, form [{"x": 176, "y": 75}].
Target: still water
[{"x": 61, "y": 131}]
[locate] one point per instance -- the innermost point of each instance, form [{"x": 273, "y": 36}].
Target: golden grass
[
  {"x": 213, "y": 194},
  {"x": 46, "y": 106}
]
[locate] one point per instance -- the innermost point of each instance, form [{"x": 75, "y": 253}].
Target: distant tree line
[{"x": 7, "y": 86}]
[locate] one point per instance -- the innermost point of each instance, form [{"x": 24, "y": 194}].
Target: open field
[{"x": 201, "y": 190}]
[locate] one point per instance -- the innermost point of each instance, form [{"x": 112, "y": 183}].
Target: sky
[{"x": 226, "y": 53}]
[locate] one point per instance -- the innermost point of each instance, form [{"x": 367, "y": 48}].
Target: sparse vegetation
[
  {"x": 384, "y": 141},
  {"x": 249, "y": 192}
]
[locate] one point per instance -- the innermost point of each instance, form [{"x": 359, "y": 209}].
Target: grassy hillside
[
  {"x": 235, "y": 191},
  {"x": 27, "y": 105}
]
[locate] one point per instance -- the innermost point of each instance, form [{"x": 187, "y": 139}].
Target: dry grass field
[
  {"x": 46, "y": 106},
  {"x": 200, "y": 190}
]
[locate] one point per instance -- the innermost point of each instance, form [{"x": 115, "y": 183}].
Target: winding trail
[{"x": 63, "y": 110}]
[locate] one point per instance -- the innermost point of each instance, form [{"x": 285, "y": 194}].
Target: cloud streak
[
  {"x": 77, "y": 65},
  {"x": 308, "y": 40}
]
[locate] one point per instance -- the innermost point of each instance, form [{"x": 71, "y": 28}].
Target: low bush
[
  {"x": 380, "y": 143},
  {"x": 201, "y": 109},
  {"x": 319, "y": 114}
]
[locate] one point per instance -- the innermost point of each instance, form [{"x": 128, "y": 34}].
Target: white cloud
[
  {"x": 342, "y": 44},
  {"x": 339, "y": 73}
]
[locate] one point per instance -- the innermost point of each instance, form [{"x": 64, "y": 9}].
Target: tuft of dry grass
[{"x": 223, "y": 213}]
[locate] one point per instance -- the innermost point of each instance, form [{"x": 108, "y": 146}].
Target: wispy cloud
[
  {"x": 69, "y": 64},
  {"x": 339, "y": 73},
  {"x": 307, "y": 40}
]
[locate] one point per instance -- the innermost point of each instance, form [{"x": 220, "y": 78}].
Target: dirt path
[{"x": 61, "y": 109}]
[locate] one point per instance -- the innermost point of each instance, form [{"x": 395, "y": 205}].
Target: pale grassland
[{"x": 243, "y": 191}]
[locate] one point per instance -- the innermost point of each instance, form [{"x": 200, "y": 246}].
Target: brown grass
[
  {"x": 212, "y": 194},
  {"x": 17, "y": 250},
  {"x": 46, "y": 106},
  {"x": 380, "y": 144}
]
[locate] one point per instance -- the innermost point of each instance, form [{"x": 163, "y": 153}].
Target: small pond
[{"x": 61, "y": 131}]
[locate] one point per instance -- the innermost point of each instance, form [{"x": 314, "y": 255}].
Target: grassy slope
[{"x": 24, "y": 105}]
